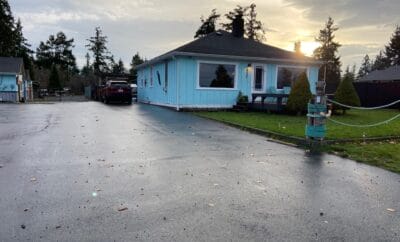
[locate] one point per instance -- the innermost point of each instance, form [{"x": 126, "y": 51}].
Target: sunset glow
[{"x": 307, "y": 48}]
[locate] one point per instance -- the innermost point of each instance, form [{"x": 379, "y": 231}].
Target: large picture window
[
  {"x": 288, "y": 75},
  {"x": 215, "y": 75}
]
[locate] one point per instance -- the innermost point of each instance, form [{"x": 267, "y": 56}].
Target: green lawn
[
  {"x": 295, "y": 125},
  {"x": 384, "y": 154}
]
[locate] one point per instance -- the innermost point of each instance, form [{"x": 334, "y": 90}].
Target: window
[
  {"x": 288, "y": 75},
  {"x": 166, "y": 76},
  {"x": 213, "y": 75},
  {"x": 151, "y": 76},
  {"x": 258, "y": 78}
]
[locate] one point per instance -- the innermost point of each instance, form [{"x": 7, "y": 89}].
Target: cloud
[{"x": 153, "y": 27}]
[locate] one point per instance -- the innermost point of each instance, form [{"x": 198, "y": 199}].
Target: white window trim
[
  {"x": 253, "y": 78},
  {"x": 289, "y": 66},
  {"x": 235, "y": 84}
]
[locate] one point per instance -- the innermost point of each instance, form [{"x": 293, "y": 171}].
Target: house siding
[
  {"x": 8, "y": 88},
  {"x": 157, "y": 93},
  {"x": 183, "y": 77}
]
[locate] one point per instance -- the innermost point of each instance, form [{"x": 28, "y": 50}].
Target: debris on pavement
[
  {"x": 58, "y": 226},
  {"x": 391, "y": 209},
  {"x": 211, "y": 204},
  {"x": 23, "y": 226},
  {"x": 33, "y": 179},
  {"x": 122, "y": 209},
  {"x": 26, "y": 209}
]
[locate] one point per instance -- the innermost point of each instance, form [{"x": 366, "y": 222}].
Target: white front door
[{"x": 258, "y": 83}]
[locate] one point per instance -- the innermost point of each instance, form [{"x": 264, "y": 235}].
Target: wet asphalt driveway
[{"x": 91, "y": 172}]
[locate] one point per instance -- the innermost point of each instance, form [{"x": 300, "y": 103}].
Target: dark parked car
[{"x": 117, "y": 91}]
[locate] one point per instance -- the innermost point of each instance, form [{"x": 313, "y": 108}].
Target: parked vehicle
[{"x": 117, "y": 91}]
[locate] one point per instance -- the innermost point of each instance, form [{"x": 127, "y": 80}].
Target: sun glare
[{"x": 308, "y": 47}]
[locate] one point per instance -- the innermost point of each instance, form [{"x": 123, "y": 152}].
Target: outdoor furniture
[{"x": 279, "y": 97}]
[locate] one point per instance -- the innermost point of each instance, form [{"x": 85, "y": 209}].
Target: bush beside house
[{"x": 299, "y": 95}]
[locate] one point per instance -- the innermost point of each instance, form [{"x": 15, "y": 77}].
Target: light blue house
[
  {"x": 209, "y": 72},
  {"x": 14, "y": 84}
]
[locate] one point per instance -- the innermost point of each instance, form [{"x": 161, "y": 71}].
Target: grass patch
[
  {"x": 382, "y": 154},
  {"x": 295, "y": 125}
]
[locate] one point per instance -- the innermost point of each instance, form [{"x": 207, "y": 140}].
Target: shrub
[
  {"x": 242, "y": 98},
  {"x": 299, "y": 96},
  {"x": 346, "y": 94}
]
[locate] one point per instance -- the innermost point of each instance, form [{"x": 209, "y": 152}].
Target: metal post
[{"x": 317, "y": 109}]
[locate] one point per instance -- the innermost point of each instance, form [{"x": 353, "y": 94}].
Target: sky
[{"x": 153, "y": 27}]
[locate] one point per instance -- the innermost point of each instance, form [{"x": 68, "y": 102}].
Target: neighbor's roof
[
  {"x": 222, "y": 44},
  {"x": 390, "y": 74},
  {"x": 11, "y": 65}
]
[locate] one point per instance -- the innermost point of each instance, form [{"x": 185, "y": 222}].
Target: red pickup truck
[{"x": 117, "y": 91}]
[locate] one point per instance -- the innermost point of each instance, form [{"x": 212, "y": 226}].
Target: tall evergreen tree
[
  {"x": 381, "y": 62},
  {"x": 365, "y": 67},
  {"x": 392, "y": 50},
  {"x": 254, "y": 28},
  {"x": 54, "y": 79},
  {"x": 86, "y": 70},
  {"x": 100, "y": 53},
  {"x": 208, "y": 24},
  {"x": 22, "y": 49},
  {"x": 327, "y": 53},
  {"x": 239, "y": 10},
  {"x": 12, "y": 41},
  {"x": 7, "y": 43},
  {"x": 136, "y": 60},
  {"x": 118, "y": 68},
  {"x": 56, "y": 51}
]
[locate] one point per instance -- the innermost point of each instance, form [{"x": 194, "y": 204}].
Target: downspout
[{"x": 177, "y": 83}]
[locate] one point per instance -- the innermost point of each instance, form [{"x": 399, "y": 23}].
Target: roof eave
[{"x": 233, "y": 57}]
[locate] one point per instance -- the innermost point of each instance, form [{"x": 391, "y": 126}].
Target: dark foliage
[
  {"x": 208, "y": 24},
  {"x": 54, "y": 79},
  {"x": 136, "y": 60},
  {"x": 299, "y": 96},
  {"x": 254, "y": 28},
  {"x": 56, "y": 51},
  {"x": 222, "y": 79},
  {"x": 392, "y": 50},
  {"x": 100, "y": 53},
  {"x": 327, "y": 53},
  {"x": 346, "y": 93},
  {"x": 365, "y": 67}
]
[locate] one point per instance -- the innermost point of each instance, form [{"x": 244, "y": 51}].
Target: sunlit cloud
[{"x": 153, "y": 27}]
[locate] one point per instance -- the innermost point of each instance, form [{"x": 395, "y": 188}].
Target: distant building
[
  {"x": 387, "y": 75},
  {"x": 379, "y": 87},
  {"x": 209, "y": 72},
  {"x": 15, "y": 84}
]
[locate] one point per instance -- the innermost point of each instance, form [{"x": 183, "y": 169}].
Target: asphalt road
[{"x": 91, "y": 172}]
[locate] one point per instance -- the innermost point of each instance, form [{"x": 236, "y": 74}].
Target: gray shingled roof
[
  {"x": 390, "y": 74},
  {"x": 223, "y": 43},
  {"x": 11, "y": 65}
]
